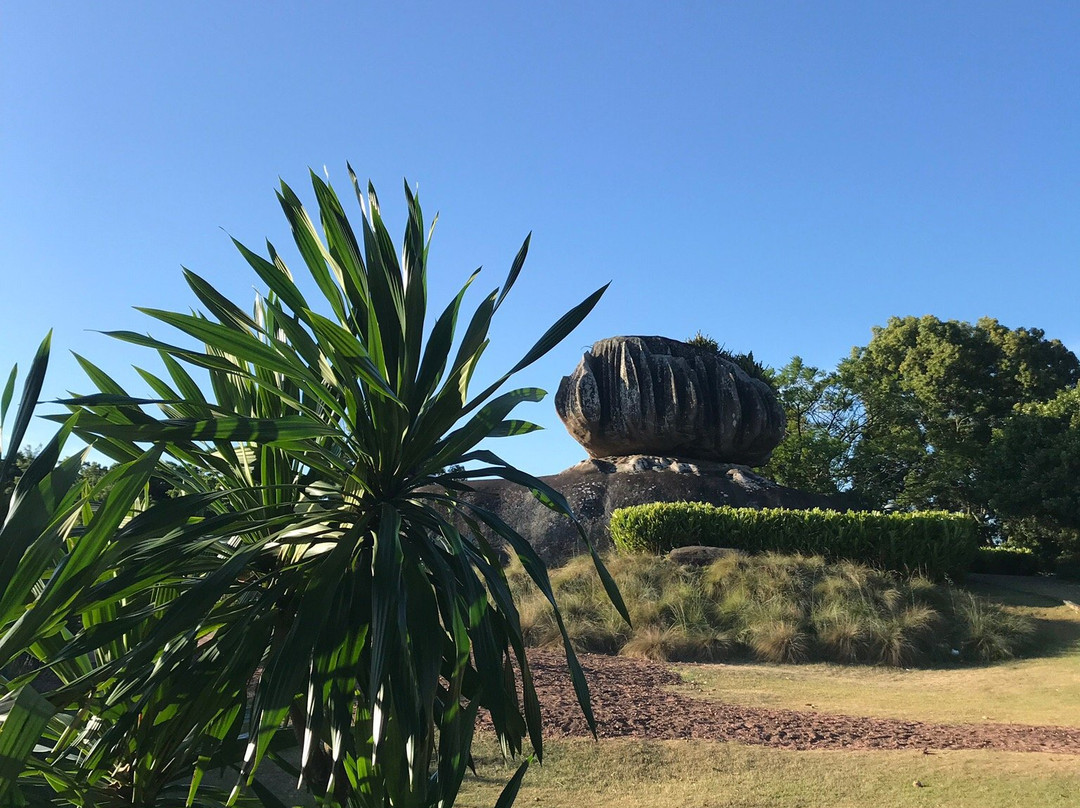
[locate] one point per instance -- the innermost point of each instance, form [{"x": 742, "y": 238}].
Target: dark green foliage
[
  {"x": 700, "y": 340},
  {"x": 1042, "y": 536},
  {"x": 936, "y": 543},
  {"x": 91, "y": 472},
  {"x": 67, "y": 601},
  {"x": 934, "y": 414},
  {"x": 823, "y": 423},
  {"x": 300, "y": 577},
  {"x": 1005, "y": 561},
  {"x": 933, "y": 392},
  {"x": 750, "y": 366},
  {"x": 1067, "y": 565},
  {"x": 746, "y": 362},
  {"x": 772, "y": 608},
  {"x": 1033, "y": 480}
]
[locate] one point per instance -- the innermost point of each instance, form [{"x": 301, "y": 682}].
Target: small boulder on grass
[{"x": 697, "y": 555}]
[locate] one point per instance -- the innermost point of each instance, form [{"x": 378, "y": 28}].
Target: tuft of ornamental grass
[
  {"x": 991, "y": 632},
  {"x": 769, "y": 608}
]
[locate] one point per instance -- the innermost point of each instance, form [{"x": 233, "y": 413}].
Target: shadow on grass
[
  {"x": 1056, "y": 637},
  {"x": 1020, "y": 590}
]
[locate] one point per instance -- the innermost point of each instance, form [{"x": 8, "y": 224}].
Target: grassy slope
[
  {"x": 769, "y": 608},
  {"x": 1043, "y": 690},
  {"x": 666, "y": 774}
]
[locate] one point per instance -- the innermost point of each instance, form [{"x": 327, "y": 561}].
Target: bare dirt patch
[{"x": 632, "y": 698}]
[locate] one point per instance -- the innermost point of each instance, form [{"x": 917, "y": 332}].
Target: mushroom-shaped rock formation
[{"x": 659, "y": 396}]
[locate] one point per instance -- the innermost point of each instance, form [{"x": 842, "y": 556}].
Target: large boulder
[
  {"x": 595, "y": 488},
  {"x": 659, "y": 396}
]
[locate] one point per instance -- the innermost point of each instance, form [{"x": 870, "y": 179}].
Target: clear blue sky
[{"x": 782, "y": 176}]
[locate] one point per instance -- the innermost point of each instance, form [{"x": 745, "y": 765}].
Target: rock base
[{"x": 598, "y": 486}]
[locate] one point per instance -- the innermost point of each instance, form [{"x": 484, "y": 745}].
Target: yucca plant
[
  {"x": 41, "y": 582},
  {"x": 60, "y": 547},
  {"x": 28, "y": 503},
  {"x": 361, "y": 602},
  {"x": 56, "y": 556}
]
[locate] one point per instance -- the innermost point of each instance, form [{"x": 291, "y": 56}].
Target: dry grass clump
[
  {"x": 676, "y": 644},
  {"x": 770, "y": 608},
  {"x": 991, "y": 632}
]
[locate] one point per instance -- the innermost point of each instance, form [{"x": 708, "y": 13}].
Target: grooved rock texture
[{"x": 659, "y": 396}]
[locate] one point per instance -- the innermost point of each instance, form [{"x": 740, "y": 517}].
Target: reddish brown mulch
[{"x": 632, "y": 698}]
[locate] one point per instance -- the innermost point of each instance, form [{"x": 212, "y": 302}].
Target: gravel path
[{"x": 632, "y": 698}]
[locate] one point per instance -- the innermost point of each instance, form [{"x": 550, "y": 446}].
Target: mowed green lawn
[
  {"x": 665, "y": 774},
  {"x": 700, "y": 774}
]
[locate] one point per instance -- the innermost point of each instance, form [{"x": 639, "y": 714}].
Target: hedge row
[
  {"x": 1005, "y": 561},
  {"x": 1068, "y": 566},
  {"x": 936, "y": 543}
]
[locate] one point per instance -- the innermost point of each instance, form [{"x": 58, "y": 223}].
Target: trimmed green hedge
[
  {"x": 938, "y": 543},
  {"x": 1068, "y": 566},
  {"x": 1005, "y": 561}
]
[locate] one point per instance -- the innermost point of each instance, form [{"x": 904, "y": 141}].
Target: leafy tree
[
  {"x": 823, "y": 423},
  {"x": 1036, "y": 465},
  {"x": 336, "y": 442},
  {"x": 933, "y": 392},
  {"x": 21, "y": 460},
  {"x": 91, "y": 473}
]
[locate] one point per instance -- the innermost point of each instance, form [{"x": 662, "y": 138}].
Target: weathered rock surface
[
  {"x": 597, "y": 487},
  {"x": 659, "y": 396},
  {"x": 697, "y": 555}
]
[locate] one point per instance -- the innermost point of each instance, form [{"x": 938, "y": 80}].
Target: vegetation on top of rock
[{"x": 745, "y": 361}]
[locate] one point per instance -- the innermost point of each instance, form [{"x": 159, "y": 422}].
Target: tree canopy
[
  {"x": 974, "y": 417},
  {"x": 1035, "y": 465},
  {"x": 822, "y": 425}
]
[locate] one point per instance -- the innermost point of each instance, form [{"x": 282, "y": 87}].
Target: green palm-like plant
[
  {"x": 74, "y": 609},
  {"x": 361, "y": 599}
]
